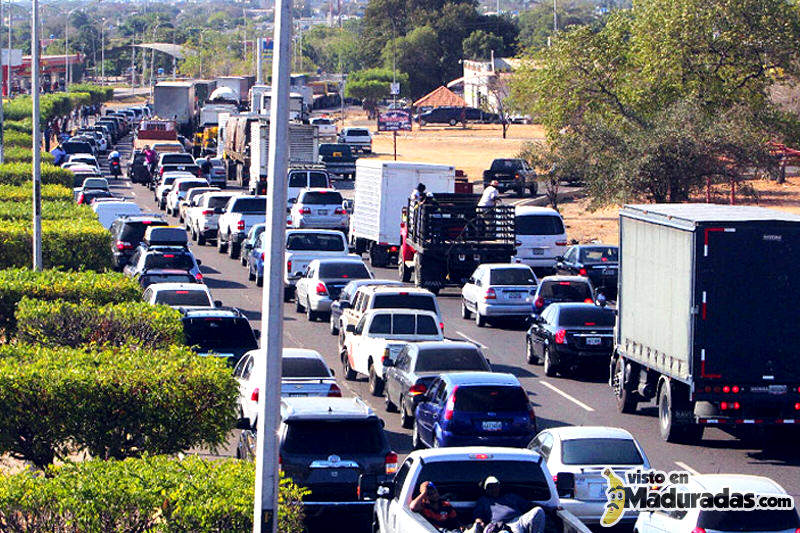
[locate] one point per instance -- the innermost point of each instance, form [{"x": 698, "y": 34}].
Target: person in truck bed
[
  {"x": 509, "y": 512},
  {"x": 437, "y": 511}
]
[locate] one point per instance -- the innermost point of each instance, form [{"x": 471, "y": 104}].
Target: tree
[
  {"x": 536, "y": 24},
  {"x": 480, "y": 45},
  {"x": 372, "y": 85},
  {"x": 417, "y": 56}
]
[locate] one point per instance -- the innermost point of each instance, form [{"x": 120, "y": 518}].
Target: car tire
[
  {"x": 250, "y": 274},
  {"x": 193, "y": 234},
  {"x": 349, "y": 373},
  {"x": 222, "y": 246},
  {"x": 520, "y": 191},
  {"x": 670, "y": 403},
  {"x": 465, "y": 313},
  {"x": 480, "y": 320},
  {"x": 201, "y": 239},
  {"x": 243, "y": 258},
  {"x": 533, "y": 189},
  {"x": 389, "y": 404},
  {"x": 530, "y": 356},
  {"x": 332, "y": 323},
  {"x": 298, "y": 307},
  {"x": 550, "y": 368},
  {"x": 416, "y": 442},
  {"x": 404, "y": 273},
  {"x": 311, "y": 315},
  {"x": 375, "y": 383},
  {"x": 406, "y": 420},
  {"x": 287, "y": 295},
  {"x": 422, "y": 123},
  {"x": 234, "y": 249},
  {"x": 452, "y": 122}
]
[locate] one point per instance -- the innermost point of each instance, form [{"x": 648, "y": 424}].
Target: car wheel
[
  {"x": 465, "y": 313},
  {"x": 260, "y": 281},
  {"x": 533, "y": 189},
  {"x": 222, "y": 246},
  {"x": 389, "y": 404},
  {"x": 233, "y": 250},
  {"x": 530, "y": 356},
  {"x": 201, "y": 239},
  {"x": 250, "y": 274},
  {"x": 416, "y": 442},
  {"x": 403, "y": 271},
  {"x": 180, "y": 217},
  {"x": 406, "y": 420},
  {"x": 453, "y": 122},
  {"x": 349, "y": 373},
  {"x": 375, "y": 383},
  {"x": 422, "y": 123},
  {"x": 193, "y": 234},
  {"x": 298, "y": 307},
  {"x": 333, "y": 329},
  {"x": 311, "y": 315},
  {"x": 480, "y": 320},
  {"x": 244, "y": 259},
  {"x": 520, "y": 191},
  {"x": 626, "y": 398},
  {"x": 550, "y": 368}
]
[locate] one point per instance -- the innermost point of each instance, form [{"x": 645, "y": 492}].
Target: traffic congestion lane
[{"x": 583, "y": 400}]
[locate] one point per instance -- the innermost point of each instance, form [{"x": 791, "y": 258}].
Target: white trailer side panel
[
  {"x": 303, "y": 146},
  {"x": 655, "y": 313}
]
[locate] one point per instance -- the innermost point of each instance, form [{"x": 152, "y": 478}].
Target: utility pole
[
  {"x": 259, "y": 62},
  {"x": 267, "y": 476},
  {"x": 37, "y": 140},
  {"x": 2, "y": 83},
  {"x": 555, "y": 17},
  {"x": 8, "y": 82},
  {"x": 133, "y": 64},
  {"x": 103, "y": 51}
]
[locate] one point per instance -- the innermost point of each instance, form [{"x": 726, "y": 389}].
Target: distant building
[{"x": 486, "y": 81}]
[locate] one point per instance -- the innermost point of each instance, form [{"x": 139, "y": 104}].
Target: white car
[
  {"x": 165, "y": 185},
  {"x": 304, "y": 373},
  {"x": 584, "y": 451},
  {"x": 320, "y": 208},
  {"x": 192, "y": 195},
  {"x": 108, "y": 212},
  {"x": 302, "y": 247},
  {"x": 541, "y": 237},
  {"x": 498, "y": 290},
  {"x": 305, "y": 178},
  {"x": 84, "y": 159},
  {"x": 324, "y": 280},
  {"x": 177, "y": 192},
  {"x": 201, "y": 219},
  {"x": 179, "y": 295},
  {"x": 704, "y": 521},
  {"x": 325, "y": 126}
]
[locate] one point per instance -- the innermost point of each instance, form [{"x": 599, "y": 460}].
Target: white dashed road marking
[
  {"x": 687, "y": 468},
  {"x": 567, "y": 396}
]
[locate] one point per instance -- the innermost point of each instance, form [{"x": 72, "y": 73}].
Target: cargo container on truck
[
  {"x": 382, "y": 189},
  {"x": 237, "y": 146},
  {"x": 303, "y": 148},
  {"x": 707, "y": 320},
  {"x": 254, "y": 97},
  {"x": 175, "y": 100},
  {"x": 239, "y": 84},
  {"x": 297, "y": 109}
]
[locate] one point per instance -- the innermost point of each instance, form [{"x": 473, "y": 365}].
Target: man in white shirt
[{"x": 490, "y": 195}]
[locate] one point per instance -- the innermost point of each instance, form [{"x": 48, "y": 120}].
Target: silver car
[
  {"x": 498, "y": 290},
  {"x": 320, "y": 208},
  {"x": 323, "y": 281}
]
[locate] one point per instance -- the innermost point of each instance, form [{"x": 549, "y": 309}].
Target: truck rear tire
[
  {"x": 377, "y": 257},
  {"x": 403, "y": 271},
  {"x": 234, "y": 250},
  {"x": 222, "y": 246},
  {"x": 671, "y": 401},
  {"x": 626, "y": 398},
  {"x": 375, "y": 383}
]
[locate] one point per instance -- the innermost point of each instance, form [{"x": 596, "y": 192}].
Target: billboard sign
[{"x": 395, "y": 120}]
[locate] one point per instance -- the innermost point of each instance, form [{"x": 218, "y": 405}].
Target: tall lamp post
[
  {"x": 68, "y": 72},
  {"x": 37, "y": 140}
]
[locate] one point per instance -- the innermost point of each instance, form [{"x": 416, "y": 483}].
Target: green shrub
[
  {"x": 50, "y": 105},
  {"x": 111, "y": 403},
  {"x": 24, "y": 193},
  {"x": 49, "y": 285},
  {"x": 63, "y": 323},
  {"x": 60, "y": 210},
  {"x": 19, "y": 173},
  {"x": 66, "y": 245},
  {"x": 151, "y": 494},
  {"x": 18, "y": 138},
  {"x": 22, "y": 154},
  {"x": 98, "y": 94},
  {"x": 24, "y": 126}
]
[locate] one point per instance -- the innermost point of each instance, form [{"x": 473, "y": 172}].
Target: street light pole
[
  {"x": 37, "y": 140},
  {"x": 102, "y": 51},
  {"x": 2, "y": 83},
  {"x": 68, "y": 72}
]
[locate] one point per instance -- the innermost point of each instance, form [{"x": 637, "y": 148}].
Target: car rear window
[
  {"x": 603, "y": 254},
  {"x": 299, "y": 242},
  {"x": 133, "y": 232},
  {"x": 538, "y": 225},
  {"x": 506, "y": 164},
  {"x": 186, "y": 185},
  {"x": 343, "y": 270},
  {"x": 322, "y": 198},
  {"x": 422, "y": 302},
  {"x": 511, "y": 276},
  {"x": 298, "y": 179},
  {"x": 322, "y": 121},
  {"x": 358, "y": 132},
  {"x": 74, "y": 147},
  {"x": 438, "y": 360},
  {"x": 318, "y": 179},
  {"x": 174, "y": 260},
  {"x": 589, "y": 315},
  {"x": 177, "y": 159},
  {"x": 304, "y": 367},
  {"x": 167, "y": 180},
  {"x": 324, "y": 438},
  {"x": 600, "y": 452},
  {"x": 250, "y": 205},
  {"x": 752, "y": 520},
  {"x": 219, "y": 334},
  {"x": 183, "y": 297},
  {"x": 484, "y": 398},
  {"x": 218, "y": 202},
  {"x": 403, "y": 324},
  {"x": 461, "y": 480},
  {"x": 569, "y": 291},
  {"x": 149, "y": 279}
]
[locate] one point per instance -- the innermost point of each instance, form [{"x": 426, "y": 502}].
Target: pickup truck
[
  {"x": 338, "y": 159},
  {"x": 357, "y": 138},
  {"x": 240, "y": 214},
  {"x": 379, "y": 336},
  {"x": 513, "y": 174},
  {"x": 201, "y": 218},
  {"x": 457, "y": 473},
  {"x": 305, "y": 245},
  {"x": 326, "y": 127}
]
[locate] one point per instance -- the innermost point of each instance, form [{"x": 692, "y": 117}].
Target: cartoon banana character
[{"x": 615, "y": 507}]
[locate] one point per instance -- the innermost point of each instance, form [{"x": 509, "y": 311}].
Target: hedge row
[
  {"x": 20, "y": 173},
  {"x": 18, "y": 139},
  {"x": 50, "y": 105},
  {"x": 24, "y": 126},
  {"x": 63, "y": 323},
  {"x": 23, "y": 154},
  {"x": 24, "y": 193},
  {"x": 152, "y": 494},
  {"x": 49, "y": 285},
  {"x": 59, "y": 210},
  {"x": 98, "y": 94},
  {"x": 111, "y": 403}
]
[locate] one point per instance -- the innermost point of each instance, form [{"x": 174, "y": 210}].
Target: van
[
  {"x": 541, "y": 237},
  {"x": 108, "y": 212},
  {"x": 306, "y": 178}
]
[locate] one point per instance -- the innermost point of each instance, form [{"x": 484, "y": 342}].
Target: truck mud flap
[{"x": 570, "y": 523}]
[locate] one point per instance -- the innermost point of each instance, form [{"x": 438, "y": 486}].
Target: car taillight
[
  {"x": 305, "y": 211},
  {"x": 441, "y": 327},
  {"x": 262, "y": 256},
  {"x": 582, "y": 272},
  {"x": 797, "y": 406},
  {"x": 339, "y": 211},
  {"x": 560, "y": 336},
  {"x": 539, "y": 302},
  {"x": 254, "y": 396},
  {"x": 208, "y": 212},
  {"x": 321, "y": 288},
  {"x": 451, "y": 403},
  {"x": 393, "y": 249},
  {"x": 391, "y": 463},
  {"x": 80, "y": 198},
  {"x": 240, "y": 225},
  {"x": 122, "y": 245},
  {"x": 288, "y": 265},
  {"x": 490, "y": 295},
  {"x": 701, "y": 530},
  {"x": 334, "y": 391},
  {"x": 417, "y": 389},
  {"x": 531, "y": 414},
  {"x": 561, "y": 243},
  {"x": 198, "y": 276},
  {"x": 588, "y": 301},
  {"x": 161, "y": 172}
]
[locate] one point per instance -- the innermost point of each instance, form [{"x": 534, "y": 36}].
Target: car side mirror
[
  {"x": 344, "y": 304},
  {"x": 387, "y": 363},
  {"x": 559, "y": 258},
  {"x": 565, "y": 484},
  {"x": 217, "y": 303},
  {"x": 350, "y": 328},
  {"x": 244, "y": 423},
  {"x": 257, "y": 333},
  {"x": 333, "y": 372},
  {"x": 293, "y": 200},
  {"x": 601, "y": 299},
  {"x": 386, "y": 490},
  {"x": 199, "y": 262}
]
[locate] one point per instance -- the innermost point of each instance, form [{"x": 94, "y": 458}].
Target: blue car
[
  {"x": 255, "y": 261},
  {"x": 474, "y": 409}
]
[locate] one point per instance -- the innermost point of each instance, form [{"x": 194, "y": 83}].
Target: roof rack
[{"x": 305, "y": 165}]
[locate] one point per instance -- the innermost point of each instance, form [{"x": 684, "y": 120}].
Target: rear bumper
[
  {"x": 535, "y": 262},
  {"x": 511, "y": 310},
  {"x": 320, "y": 304},
  {"x": 322, "y": 224},
  {"x": 511, "y": 441},
  {"x": 592, "y": 511},
  {"x": 569, "y": 356}
]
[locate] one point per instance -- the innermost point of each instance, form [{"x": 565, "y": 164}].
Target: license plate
[
  {"x": 537, "y": 251},
  {"x": 337, "y": 154},
  {"x": 322, "y": 211},
  {"x": 492, "y": 425},
  {"x": 777, "y": 389},
  {"x": 295, "y": 394},
  {"x": 514, "y": 295},
  {"x": 596, "y": 490},
  {"x": 594, "y": 341}
]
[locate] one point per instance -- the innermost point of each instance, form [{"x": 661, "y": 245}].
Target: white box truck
[
  {"x": 303, "y": 148},
  {"x": 382, "y": 189}
]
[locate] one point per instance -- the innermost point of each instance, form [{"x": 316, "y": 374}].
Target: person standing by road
[
  {"x": 205, "y": 167},
  {"x": 59, "y": 155}
]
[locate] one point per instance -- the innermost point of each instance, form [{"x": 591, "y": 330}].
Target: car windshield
[
  {"x": 149, "y": 279},
  {"x": 511, "y": 276},
  {"x": 183, "y": 297},
  {"x": 323, "y": 438},
  {"x": 600, "y": 452},
  {"x": 462, "y": 479},
  {"x": 343, "y": 270},
  {"x": 600, "y": 254},
  {"x": 566, "y": 291},
  {"x": 483, "y": 398},
  {"x": 220, "y": 334},
  {"x": 322, "y": 121},
  {"x": 422, "y": 302},
  {"x": 402, "y": 324},
  {"x": 304, "y": 367},
  {"x": 538, "y": 225},
  {"x": 449, "y": 360},
  {"x": 321, "y": 242},
  {"x": 588, "y": 315},
  {"x": 322, "y": 198},
  {"x": 250, "y": 205},
  {"x": 752, "y": 520},
  {"x": 176, "y": 260}
]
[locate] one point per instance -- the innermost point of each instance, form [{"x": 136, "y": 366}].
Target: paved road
[{"x": 558, "y": 401}]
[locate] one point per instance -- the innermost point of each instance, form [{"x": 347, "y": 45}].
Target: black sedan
[
  {"x": 570, "y": 335},
  {"x": 598, "y": 262},
  {"x": 418, "y": 364}
]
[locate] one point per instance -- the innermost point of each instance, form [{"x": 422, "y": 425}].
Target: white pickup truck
[
  {"x": 380, "y": 335},
  {"x": 202, "y": 217},
  {"x": 457, "y": 474},
  {"x": 305, "y": 245},
  {"x": 240, "y": 214}
]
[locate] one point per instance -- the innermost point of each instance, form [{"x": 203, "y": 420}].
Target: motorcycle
[{"x": 116, "y": 170}]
